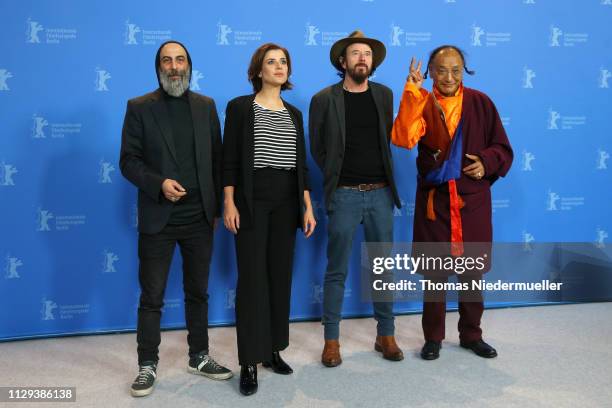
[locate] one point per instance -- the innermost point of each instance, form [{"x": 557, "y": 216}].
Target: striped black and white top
[{"x": 275, "y": 139}]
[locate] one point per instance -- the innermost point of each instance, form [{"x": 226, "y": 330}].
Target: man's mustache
[{"x": 176, "y": 72}]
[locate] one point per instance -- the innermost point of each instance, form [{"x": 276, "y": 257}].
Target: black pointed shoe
[
  {"x": 278, "y": 365},
  {"x": 481, "y": 348},
  {"x": 248, "y": 379},
  {"x": 431, "y": 350}
]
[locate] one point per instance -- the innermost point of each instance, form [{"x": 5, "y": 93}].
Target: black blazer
[
  {"x": 148, "y": 156},
  {"x": 327, "y": 132},
  {"x": 238, "y": 151}
]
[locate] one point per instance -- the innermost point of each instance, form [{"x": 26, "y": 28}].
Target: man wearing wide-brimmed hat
[{"x": 350, "y": 129}]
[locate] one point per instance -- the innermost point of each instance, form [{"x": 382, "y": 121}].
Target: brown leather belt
[{"x": 366, "y": 187}]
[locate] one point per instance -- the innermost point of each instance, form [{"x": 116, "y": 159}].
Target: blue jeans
[{"x": 347, "y": 209}]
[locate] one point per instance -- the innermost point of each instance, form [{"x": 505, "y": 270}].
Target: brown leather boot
[
  {"x": 389, "y": 348},
  {"x": 331, "y": 354}
]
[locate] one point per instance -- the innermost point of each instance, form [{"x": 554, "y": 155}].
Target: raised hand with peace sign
[{"x": 415, "y": 76}]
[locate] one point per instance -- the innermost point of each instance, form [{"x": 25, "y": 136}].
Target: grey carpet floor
[{"x": 551, "y": 356}]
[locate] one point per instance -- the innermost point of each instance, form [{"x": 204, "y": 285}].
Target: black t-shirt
[
  {"x": 363, "y": 162},
  {"x": 189, "y": 208}
]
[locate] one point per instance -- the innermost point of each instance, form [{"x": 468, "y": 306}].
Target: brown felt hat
[{"x": 378, "y": 49}]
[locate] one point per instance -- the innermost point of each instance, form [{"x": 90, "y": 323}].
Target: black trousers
[
  {"x": 155, "y": 253},
  {"x": 265, "y": 263}
]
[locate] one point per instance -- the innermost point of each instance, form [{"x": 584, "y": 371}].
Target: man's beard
[
  {"x": 174, "y": 87},
  {"x": 360, "y": 76}
]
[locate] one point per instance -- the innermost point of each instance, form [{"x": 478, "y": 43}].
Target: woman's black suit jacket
[{"x": 238, "y": 151}]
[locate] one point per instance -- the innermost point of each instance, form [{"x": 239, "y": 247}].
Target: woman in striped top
[{"x": 266, "y": 199}]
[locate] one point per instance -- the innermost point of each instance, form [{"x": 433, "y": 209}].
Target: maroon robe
[{"x": 484, "y": 136}]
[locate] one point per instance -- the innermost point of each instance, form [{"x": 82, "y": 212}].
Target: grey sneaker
[
  {"x": 145, "y": 381},
  {"x": 203, "y": 364}
]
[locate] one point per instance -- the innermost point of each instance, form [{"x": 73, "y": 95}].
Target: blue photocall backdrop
[{"x": 68, "y": 218}]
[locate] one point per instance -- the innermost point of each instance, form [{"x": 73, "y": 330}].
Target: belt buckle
[{"x": 363, "y": 187}]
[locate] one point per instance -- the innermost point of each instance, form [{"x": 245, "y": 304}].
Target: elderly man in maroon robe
[{"x": 462, "y": 150}]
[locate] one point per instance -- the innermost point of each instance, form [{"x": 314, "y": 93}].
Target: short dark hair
[
  {"x": 257, "y": 63},
  {"x": 461, "y": 53},
  {"x": 342, "y": 72}
]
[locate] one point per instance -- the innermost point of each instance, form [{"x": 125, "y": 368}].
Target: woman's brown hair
[{"x": 256, "y": 64}]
